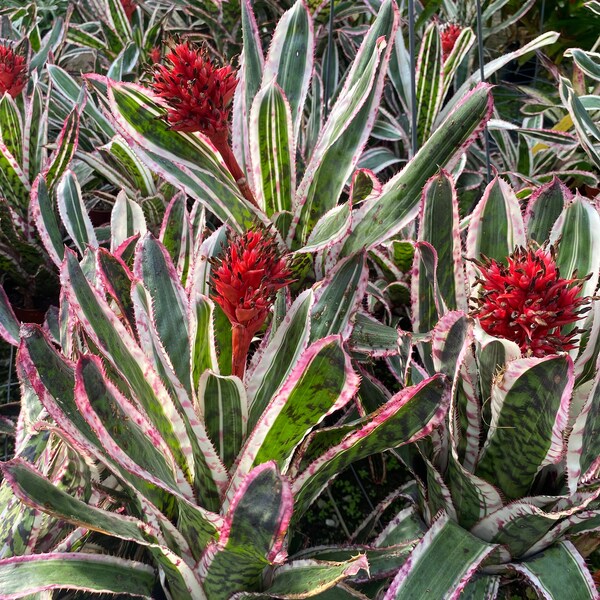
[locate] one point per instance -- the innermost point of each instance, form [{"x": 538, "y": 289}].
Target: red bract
[
  {"x": 129, "y": 7},
  {"x": 247, "y": 276},
  {"x": 528, "y": 302},
  {"x": 13, "y": 72},
  {"x": 449, "y": 34},
  {"x": 198, "y": 94},
  {"x": 155, "y": 54},
  {"x": 245, "y": 280}
]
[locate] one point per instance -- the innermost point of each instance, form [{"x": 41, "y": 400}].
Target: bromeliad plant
[
  {"x": 200, "y": 475},
  {"x": 516, "y": 466}
]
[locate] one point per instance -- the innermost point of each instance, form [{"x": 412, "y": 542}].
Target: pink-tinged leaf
[
  {"x": 496, "y": 226},
  {"x": 35, "y": 134},
  {"x": 410, "y": 415},
  {"x": 380, "y": 218},
  {"x": 73, "y": 212},
  {"x": 9, "y": 324},
  {"x": 447, "y": 550},
  {"x": 250, "y": 76},
  {"x": 308, "y": 577},
  {"x": 544, "y": 208},
  {"x": 292, "y": 53},
  {"x": 583, "y": 454},
  {"x": 66, "y": 145},
  {"x": 41, "y": 210},
  {"x": 126, "y": 220},
  {"x": 13, "y": 182},
  {"x": 22, "y": 576},
  {"x": 342, "y": 140},
  {"x": 176, "y": 234},
  {"x": 439, "y": 225},
  {"x": 279, "y": 356},
  {"x": 556, "y": 570},
  {"x": 116, "y": 343},
  {"x": 187, "y": 160},
  {"x": 321, "y": 382},
  {"x": 251, "y": 537}
]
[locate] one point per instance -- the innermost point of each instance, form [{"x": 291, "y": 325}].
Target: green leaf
[
  {"x": 272, "y": 150},
  {"x": 126, "y": 220},
  {"x": 441, "y": 564},
  {"x": 24, "y": 575},
  {"x": 279, "y": 357},
  {"x": 529, "y": 405},
  {"x": 65, "y": 148},
  {"x": 11, "y": 127},
  {"x": 408, "y": 416},
  {"x": 13, "y": 183},
  {"x": 73, "y": 212},
  {"x": 223, "y": 406},
  {"x": 35, "y": 134},
  {"x": 577, "y": 235},
  {"x": 429, "y": 80},
  {"x": 338, "y": 297},
  {"x": 252, "y": 536},
  {"x": 292, "y": 53},
  {"x": 383, "y": 216},
  {"x": 349, "y": 124},
  {"x": 305, "y": 578},
  {"x": 321, "y": 382},
  {"x": 496, "y": 226},
  {"x": 202, "y": 343},
  {"x": 186, "y": 160},
  {"x": 544, "y": 208},
  {"x": 556, "y": 570}
]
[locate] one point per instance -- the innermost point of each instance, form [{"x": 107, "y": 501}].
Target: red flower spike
[
  {"x": 245, "y": 279},
  {"x": 449, "y": 34},
  {"x": 155, "y": 54},
  {"x": 129, "y": 7},
  {"x": 13, "y": 72},
  {"x": 528, "y": 302},
  {"x": 198, "y": 94}
]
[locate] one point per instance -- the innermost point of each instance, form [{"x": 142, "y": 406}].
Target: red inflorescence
[
  {"x": 197, "y": 93},
  {"x": 129, "y": 7},
  {"x": 13, "y": 72},
  {"x": 528, "y": 302},
  {"x": 247, "y": 276},
  {"x": 155, "y": 54},
  {"x": 449, "y": 35}
]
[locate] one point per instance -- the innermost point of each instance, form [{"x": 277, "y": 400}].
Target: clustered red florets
[
  {"x": 128, "y": 7},
  {"x": 13, "y": 72},
  {"x": 197, "y": 93},
  {"x": 528, "y": 302},
  {"x": 449, "y": 35},
  {"x": 246, "y": 277}
]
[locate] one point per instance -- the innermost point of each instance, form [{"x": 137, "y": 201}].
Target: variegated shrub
[{"x": 513, "y": 477}]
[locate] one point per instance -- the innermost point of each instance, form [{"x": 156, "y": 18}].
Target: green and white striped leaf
[
  {"x": 126, "y": 220},
  {"x": 381, "y": 217},
  {"x": 22, "y": 576},
  {"x": 73, "y": 213},
  {"x": 65, "y": 149},
  {"x": 13, "y": 183},
  {"x": 588, "y": 62},
  {"x": 252, "y": 536},
  {"x": 530, "y": 405},
  {"x": 279, "y": 357},
  {"x": 543, "y": 209},
  {"x": 343, "y": 137},
  {"x": 11, "y": 127},
  {"x": 202, "y": 339},
  {"x": 428, "y": 80},
  {"x": 577, "y": 236},
  {"x": 557, "y": 571},
  {"x": 35, "y": 134},
  {"x": 496, "y": 226},
  {"x": 291, "y": 54},
  {"x": 223, "y": 406},
  {"x": 185, "y": 160},
  {"x": 441, "y": 565},
  {"x": 272, "y": 150},
  {"x": 176, "y": 235},
  {"x": 139, "y": 174}
]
